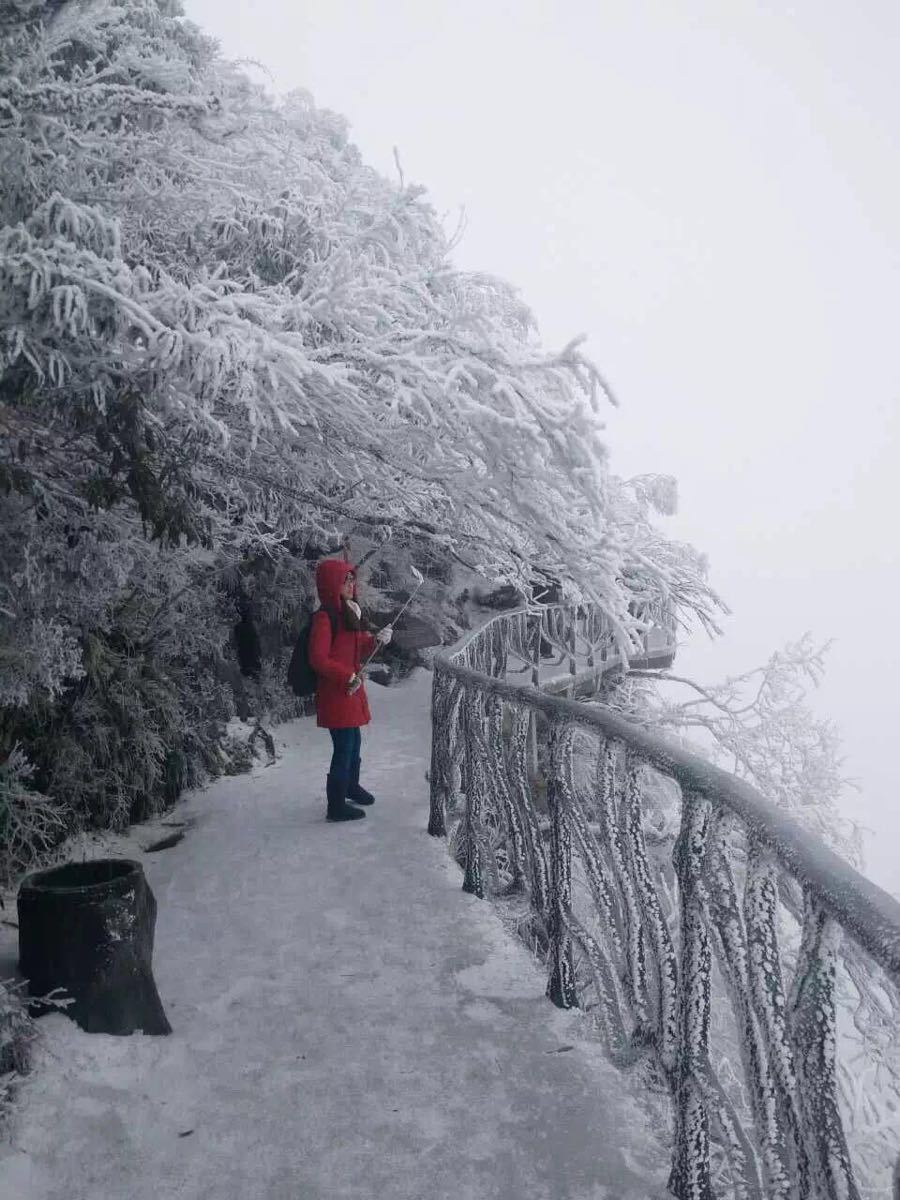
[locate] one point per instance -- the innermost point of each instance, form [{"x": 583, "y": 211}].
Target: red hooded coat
[{"x": 336, "y": 660}]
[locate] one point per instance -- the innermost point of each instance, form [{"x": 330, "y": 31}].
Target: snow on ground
[{"x": 347, "y": 1022}]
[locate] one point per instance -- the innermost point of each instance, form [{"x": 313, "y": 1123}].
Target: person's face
[{"x": 347, "y": 587}]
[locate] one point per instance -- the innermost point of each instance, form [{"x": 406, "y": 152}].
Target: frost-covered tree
[
  {"x": 207, "y": 296},
  {"x": 759, "y": 726},
  {"x": 223, "y": 336}
]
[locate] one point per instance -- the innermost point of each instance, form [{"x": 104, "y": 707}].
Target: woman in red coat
[{"x": 338, "y": 642}]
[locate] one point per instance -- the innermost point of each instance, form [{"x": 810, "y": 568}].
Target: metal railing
[{"x": 674, "y": 881}]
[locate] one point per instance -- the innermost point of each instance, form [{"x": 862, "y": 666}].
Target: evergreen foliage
[
  {"x": 225, "y": 341},
  {"x": 223, "y": 336}
]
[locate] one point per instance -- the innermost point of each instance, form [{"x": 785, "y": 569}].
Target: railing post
[
  {"x": 501, "y": 659},
  {"x": 812, "y": 1025},
  {"x": 561, "y": 984},
  {"x": 734, "y": 962},
  {"x": 500, "y": 787},
  {"x": 535, "y": 682},
  {"x": 654, "y": 926},
  {"x": 473, "y": 716},
  {"x": 690, "y": 1177},
  {"x": 613, "y": 822},
  {"x": 571, "y": 642},
  {"x": 539, "y": 877},
  {"x": 767, "y": 993},
  {"x": 594, "y": 867},
  {"x": 440, "y": 752}
]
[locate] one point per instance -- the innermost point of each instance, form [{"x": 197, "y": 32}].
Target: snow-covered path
[{"x": 348, "y": 1023}]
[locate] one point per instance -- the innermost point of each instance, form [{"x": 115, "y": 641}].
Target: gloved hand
[
  {"x": 383, "y": 636},
  {"x": 354, "y": 684}
]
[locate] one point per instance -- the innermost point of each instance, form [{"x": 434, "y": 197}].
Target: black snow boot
[
  {"x": 358, "y": 794},
  {"x": 338, "y": 809}
]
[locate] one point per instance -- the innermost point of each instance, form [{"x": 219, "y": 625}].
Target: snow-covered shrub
[
  {"x": 31, "y": 824},
  {"x": 17, "y": 1033}
]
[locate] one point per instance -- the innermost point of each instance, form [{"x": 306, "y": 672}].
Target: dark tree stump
[{"x": 87, "y": 928}]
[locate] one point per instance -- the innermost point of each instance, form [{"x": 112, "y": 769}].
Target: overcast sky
[{"x": 711, "y": 192}]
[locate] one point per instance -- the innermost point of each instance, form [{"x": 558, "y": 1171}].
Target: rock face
[
  {"x": 87, "y": 929},
  {"x": 502, "y": 597},
  {"x": 381, "y": 674},
  {"x": 414, "y": 632},
  {"x": 546, "y": 590},
  {"x": 543, "y": 591}
]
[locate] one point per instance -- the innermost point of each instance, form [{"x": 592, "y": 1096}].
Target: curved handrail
[
  {"x": 860, "y": 906},
  {"x": 652, "y": 979},
  {"x": 612, "y": 659}
]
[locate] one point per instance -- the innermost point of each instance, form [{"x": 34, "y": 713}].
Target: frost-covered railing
[{"x": 659, "y": 881}]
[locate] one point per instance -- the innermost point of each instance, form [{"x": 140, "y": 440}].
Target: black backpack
[{"x": 300, "y": 675}]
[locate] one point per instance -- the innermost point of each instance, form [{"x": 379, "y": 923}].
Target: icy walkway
[{"x": 348, "y": 1023}]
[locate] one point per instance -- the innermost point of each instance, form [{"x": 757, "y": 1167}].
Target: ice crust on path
[{"x": 347, "y": 1022}]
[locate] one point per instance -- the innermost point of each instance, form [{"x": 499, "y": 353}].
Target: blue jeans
[{"x": 346, "y": 744}]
